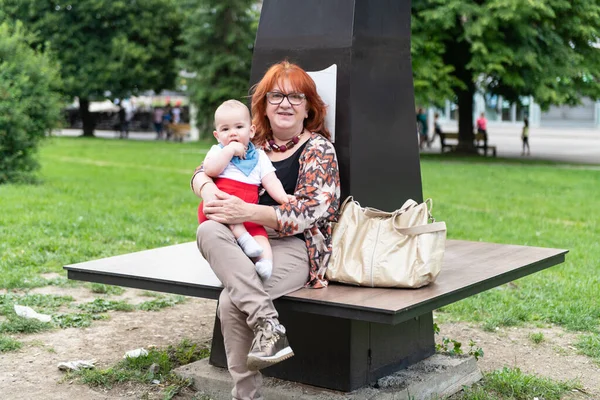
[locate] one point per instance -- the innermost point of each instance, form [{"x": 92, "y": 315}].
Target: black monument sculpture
[
  {"x": 376, "y": 139},
  {"x": 376, "y": 144}
]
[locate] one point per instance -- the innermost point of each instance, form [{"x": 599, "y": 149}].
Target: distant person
[
  {"x": 525, "y": 136},
  {"x": 422, "y": 128},
  {"x": 176, "y": 111},
  {"x": 482, "y": 125},
  {"x": 167, "y": 120},
  {"x": 482, "y": 129},
  {"x": 437, "y": 129},
  {"x": 157, "y": 119},
  {"x": 129, "y": 113},
  {"x": 122, "y": 121}
]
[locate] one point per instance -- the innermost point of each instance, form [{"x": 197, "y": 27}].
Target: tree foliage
[
  {"x": 218, "y": 38},
  {"x": 29, "y": 102},
  {"x": 546, "y": 49},
  {"x": 105, "y": 47}
]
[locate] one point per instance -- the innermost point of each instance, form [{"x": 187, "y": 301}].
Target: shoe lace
[{"x": 264, "y": 335}]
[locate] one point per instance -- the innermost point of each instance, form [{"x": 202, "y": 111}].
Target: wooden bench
[
  {"x": 344, "y": 337},
  {"x": 179, "y": 131},
  {"x": 479, "y": 137}
]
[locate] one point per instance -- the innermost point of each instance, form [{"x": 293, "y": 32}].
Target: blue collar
[{"x": 249, "y": 163}]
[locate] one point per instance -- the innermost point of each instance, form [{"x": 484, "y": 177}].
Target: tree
[
  {"x": 29, "y": 102},
  {"x": 545, "y": 49},
  {"x": 218, "y": 37},
  {"x": 106, "y": 47}
]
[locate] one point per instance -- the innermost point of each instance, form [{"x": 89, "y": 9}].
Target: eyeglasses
[{"x": 277, "y": 98}]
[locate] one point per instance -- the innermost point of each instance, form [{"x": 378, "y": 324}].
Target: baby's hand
[
  {"x": 238, "y": 149},
  {"x": 291, "y": 199}
]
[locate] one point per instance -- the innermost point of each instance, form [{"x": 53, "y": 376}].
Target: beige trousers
[{"x": 245, "y": 299}]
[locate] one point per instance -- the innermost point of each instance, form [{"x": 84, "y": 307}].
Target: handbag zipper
[{"x": 374, "y": 248}]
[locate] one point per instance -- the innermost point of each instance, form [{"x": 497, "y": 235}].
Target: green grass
[
  {"x": 102, "y": 305},
  {"x": 535, "y": 204},
  {"x": 101, "y": 198},
  {"x": 42, "y": 303},
  {"x": 106, "y": 289},
  {"x": 590, "y": 346},
  {"x": 97, "y": 198},
  {"x": 537, "y": 337},
  {"x": 106, "y": 197},
  {"x": 160, "y": 303},
  {"x": 9, "y": 344},
  {"x": 157, "y": 365},
  {"x": 77, "y": 320},
  {"x": 512, "y": 384}
]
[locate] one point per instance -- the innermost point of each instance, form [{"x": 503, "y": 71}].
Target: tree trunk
[
  {"x": 458, "y": 54},
  {"x": 466, "y": 136},
  {"x": 88, "y": 119}
]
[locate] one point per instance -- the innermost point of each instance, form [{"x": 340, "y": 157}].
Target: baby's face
[{"x": 233, "y": 125}]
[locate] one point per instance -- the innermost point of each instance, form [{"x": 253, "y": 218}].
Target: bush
[{"x": 29, "y": 102}]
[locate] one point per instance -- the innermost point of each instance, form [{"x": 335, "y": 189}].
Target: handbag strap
[
  {"x": 417, "y": 230},
  {"x": 348, "y": 200},
  {"x": 374, "y": 212}
]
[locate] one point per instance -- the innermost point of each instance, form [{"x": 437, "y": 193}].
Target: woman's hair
[{"x": 302, "y": 83}]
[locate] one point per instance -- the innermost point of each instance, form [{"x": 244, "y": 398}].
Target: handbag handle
[
  {"x": 348, "y": 199},
  {"x": 417, "y": 230},
  {"x": 374, "y": 212}
]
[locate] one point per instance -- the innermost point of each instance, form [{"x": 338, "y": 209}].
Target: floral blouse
[{"x": 316, "y": 209}]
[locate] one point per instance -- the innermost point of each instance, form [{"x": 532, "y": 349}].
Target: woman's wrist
[
  {"x": 262, "y": 215},
  {"x": 203, "y": 187}
]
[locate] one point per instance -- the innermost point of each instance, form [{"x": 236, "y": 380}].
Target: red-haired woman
[{"x": 289, "y": 117}]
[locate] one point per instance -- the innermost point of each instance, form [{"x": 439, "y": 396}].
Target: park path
[{"x": 563, "y": 144}]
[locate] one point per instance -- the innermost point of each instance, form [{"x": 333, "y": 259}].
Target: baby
[{"x": 239, "y": 168}]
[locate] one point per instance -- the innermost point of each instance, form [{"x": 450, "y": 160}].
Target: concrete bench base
[{"x": 438, "y": 375}]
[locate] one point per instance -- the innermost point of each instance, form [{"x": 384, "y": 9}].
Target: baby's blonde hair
[{"x": 228, "y": 105}]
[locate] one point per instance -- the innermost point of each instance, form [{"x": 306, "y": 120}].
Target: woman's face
[{"x": 286, "y": 117}]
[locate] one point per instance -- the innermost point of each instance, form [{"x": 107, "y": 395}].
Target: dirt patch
[
  {"x": 32, "y": 373},
  {"x": 554, "y": 357}
]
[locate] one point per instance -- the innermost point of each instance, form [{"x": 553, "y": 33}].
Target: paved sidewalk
[
  {"x": 150, "y": 135},
  {"x": 572, "y": 145}
]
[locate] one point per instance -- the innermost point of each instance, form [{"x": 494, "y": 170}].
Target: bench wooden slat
[{"x": 469, "y": 268}]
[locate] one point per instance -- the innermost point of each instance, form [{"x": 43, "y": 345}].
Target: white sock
[
  {"x": 264, "y": 268},
  {"x": 249, "y": 245}
]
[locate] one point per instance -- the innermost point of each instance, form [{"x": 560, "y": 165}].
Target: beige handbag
[{"x": 387, "y": 249}]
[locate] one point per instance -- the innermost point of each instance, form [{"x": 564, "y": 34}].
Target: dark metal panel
[
  {"x": 182, "y": 288},
  {"x": 384, "y": 163},
  {"x": 394, "y": 347},
  {"x": 323, "y": 351},
  {"x": 307, "y": 24},
  {"x": 217, "y": 348},
  {"x": 342, "y": 354},
  {"x": 376, "y": 138}
]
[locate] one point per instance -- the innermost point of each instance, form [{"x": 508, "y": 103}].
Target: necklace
[{"x": 284, "y": 147}]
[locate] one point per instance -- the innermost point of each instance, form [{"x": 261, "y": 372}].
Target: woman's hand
[{"x": 227, "y": 209}]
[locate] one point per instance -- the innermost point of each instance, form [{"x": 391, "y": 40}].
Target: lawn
[
  {"x": 542, "y": 205},
  {"x": 97, "y": 198},
  {"x": 101, "y": 197}
]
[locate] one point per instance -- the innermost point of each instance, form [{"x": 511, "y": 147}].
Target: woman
[{"x": 289, "y": 117}]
